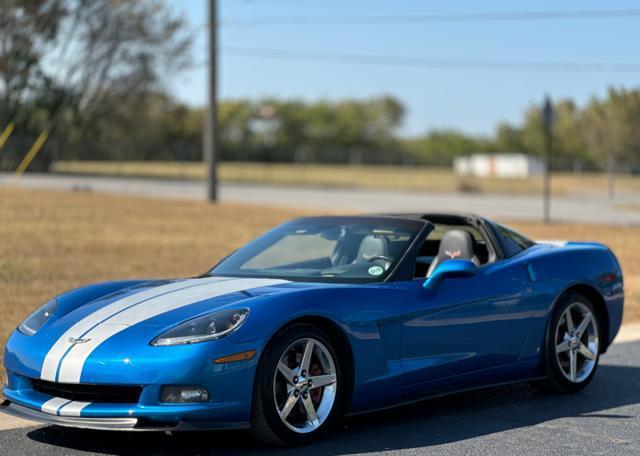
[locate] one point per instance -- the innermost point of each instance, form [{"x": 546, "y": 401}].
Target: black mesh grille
[{"x": 111, "y": 394}]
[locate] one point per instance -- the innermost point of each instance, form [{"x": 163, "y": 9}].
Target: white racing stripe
[
  {"x": 555, "y": 243},
  {"x": 73, "y": 408},
  {"x": 62, "y": 345},
  {"x": 70, "y": 369},
  {"x": 52, "y": 405}
]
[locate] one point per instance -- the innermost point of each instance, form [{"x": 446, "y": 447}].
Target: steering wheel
[{"x": 378, "y": 257}]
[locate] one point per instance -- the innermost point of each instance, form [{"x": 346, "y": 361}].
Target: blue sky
[{"x": 470, "y": 100}]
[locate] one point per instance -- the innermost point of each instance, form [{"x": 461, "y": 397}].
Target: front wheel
[
  {"x": 298, "y": 387},
  {"x": 573, "y": 345}
]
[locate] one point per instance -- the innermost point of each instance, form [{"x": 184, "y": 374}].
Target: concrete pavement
[{"x": 592, "y": 208}]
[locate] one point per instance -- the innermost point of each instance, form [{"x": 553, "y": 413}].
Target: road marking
[
  {"x": 8, "y": 422},
  {"x": 628, "y": 333}
]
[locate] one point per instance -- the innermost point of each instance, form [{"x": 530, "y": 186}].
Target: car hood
[
  {"x": 138, "y": 312},
  {"x": 158, "y": 303}
]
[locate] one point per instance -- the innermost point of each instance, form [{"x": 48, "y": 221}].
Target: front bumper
[
  {"x": 230, "y": 387},
  {"x": 114, "y": 424}
]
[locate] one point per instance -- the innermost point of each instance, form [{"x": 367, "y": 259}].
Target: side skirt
[
  {"x": 520, "y": 372},
  {"x": 438, "y": 394}
]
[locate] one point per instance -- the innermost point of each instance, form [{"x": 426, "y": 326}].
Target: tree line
[
  {"x": 603, "y": 133},
  {"x": 96, "y": 75}
]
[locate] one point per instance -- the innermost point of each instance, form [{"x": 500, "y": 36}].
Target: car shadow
[{"x": 424, "y": 424}]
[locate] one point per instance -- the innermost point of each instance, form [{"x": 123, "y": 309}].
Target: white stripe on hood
[
  {"x": 57, "y": 351},
  {"x": 69, "y": 359}
]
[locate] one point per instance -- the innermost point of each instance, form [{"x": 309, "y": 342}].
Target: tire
[
  {"x": 274, "y": 394},
  {"x": 563, "y": 346}
]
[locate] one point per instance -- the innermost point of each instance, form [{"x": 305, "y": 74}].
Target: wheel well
[
  {"x": 342, "y": 346},
  {"x": 600, "y": 306}
]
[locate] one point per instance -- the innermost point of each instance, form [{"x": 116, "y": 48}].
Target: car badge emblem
[
  {"x": 453, "y": 254},
  {"x": 75, "y": 341}
]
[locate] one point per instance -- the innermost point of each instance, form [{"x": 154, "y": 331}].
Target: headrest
[{"x": 456, "y": 244}]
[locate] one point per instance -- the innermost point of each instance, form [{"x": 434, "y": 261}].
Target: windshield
[{"x": 325, "y": 249}]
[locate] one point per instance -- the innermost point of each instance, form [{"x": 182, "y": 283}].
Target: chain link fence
[{"x": 323, "y": 166}]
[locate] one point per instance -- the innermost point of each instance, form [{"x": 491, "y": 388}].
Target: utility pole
[
  {"x": 547, "y": 123},
  {"x": 611, "y": 172},
  {"x": 210, "y": 135}
]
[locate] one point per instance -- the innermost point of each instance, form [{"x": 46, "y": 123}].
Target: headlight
[
  {"x": 38, "y": 318},
  {"x": 208, "y": 327}
]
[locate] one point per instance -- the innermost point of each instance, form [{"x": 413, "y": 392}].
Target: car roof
[
  {"x": 437, "y": 217},
  {"x": 434, "y": 217}
]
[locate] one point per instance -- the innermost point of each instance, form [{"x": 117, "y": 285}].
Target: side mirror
[{"x": 450, "y": 268}]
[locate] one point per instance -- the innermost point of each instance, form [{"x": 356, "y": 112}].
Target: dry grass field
[
  {"x": 54, "y": 241},
  {"x": 366, "y": 176}
]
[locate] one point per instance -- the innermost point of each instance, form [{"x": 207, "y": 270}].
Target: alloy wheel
[
  {"x": 577, "y": 342},
  {"x": 305, "y": 385}
]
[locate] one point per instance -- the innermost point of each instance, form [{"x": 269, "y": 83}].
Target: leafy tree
[
  {"x": 441, "y": 147},
  {"x": 271, "y": 129},
  {"x": 567, "y": 130},
  {"x": 610, "y": 127},
  {"x": 509, "y": 139}
]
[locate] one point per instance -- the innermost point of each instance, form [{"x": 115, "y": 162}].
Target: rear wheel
[
  {"x": 298, "y": 387},
  {"x": 573, "y": 345}
]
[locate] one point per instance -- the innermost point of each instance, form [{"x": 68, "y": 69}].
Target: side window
[{"x": 512, "y": 242}]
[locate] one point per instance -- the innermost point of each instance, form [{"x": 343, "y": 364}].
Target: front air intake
[{"x": 109, "y": 394}]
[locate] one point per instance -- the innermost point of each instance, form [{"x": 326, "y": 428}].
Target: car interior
[
  {"x": 350, "y": 252},
  {"x": 377, "y": 249},
  {"x": 453, "y": 237}
]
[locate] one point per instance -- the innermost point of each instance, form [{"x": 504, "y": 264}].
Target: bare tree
[{"x": 71, "y": 56}]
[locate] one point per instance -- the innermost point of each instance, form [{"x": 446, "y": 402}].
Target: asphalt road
[
  {"x": 591, "y": 208},
  {"x": 603, "y": 419}
]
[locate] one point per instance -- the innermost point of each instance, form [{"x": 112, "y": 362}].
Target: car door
[{"x": 464, "y": 325}]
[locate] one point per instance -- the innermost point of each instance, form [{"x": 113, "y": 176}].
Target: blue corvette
[{"x": 318, "y": 318}]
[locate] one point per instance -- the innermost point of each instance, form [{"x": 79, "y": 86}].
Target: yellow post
[
  {"x": 30, "y": 155},
  {"x": 6, "y": 133}
]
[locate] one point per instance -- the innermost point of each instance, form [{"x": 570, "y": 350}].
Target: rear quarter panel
[{"x": 555, "y": 269}]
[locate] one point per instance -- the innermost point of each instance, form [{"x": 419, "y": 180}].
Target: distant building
[{"x": 502, "y": 165}]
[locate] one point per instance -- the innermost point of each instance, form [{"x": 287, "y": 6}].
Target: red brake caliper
[{"x": 316, "y": 394}]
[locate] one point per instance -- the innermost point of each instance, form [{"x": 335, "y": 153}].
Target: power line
[
  {"x": 436, "y": 63},
  {"x": 435, "y": 18}
]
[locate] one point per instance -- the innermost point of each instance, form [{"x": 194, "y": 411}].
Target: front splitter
[{"x": 114, "y": 424}]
